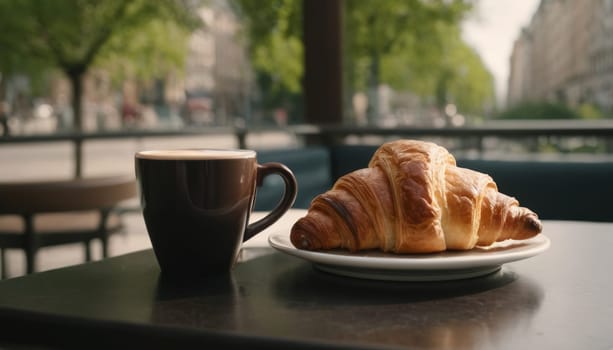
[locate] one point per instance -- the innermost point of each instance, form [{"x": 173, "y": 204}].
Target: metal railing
[{"x": 334, "y": 134}]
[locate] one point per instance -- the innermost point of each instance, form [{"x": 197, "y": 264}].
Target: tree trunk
[
  {"x": 76, "y": 82},
  {"x": 373, "y": 89},
  {"x": 75, "y": 74}
]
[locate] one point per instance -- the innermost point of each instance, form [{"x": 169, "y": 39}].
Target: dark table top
[{"x": 557, "y": 300}]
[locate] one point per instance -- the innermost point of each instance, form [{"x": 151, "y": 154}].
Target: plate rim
[
  {"x": 409, "y": 275},
  {"x": 451, "y": 261}
]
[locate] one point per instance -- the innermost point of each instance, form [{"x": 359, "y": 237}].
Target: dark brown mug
[{"x": 196, "y": 205}]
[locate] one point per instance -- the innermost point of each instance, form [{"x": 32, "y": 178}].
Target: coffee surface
[{"x": 195, "y": 154}]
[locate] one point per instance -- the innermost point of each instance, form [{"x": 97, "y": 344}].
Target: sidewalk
[{"x": 31, "y": 161}]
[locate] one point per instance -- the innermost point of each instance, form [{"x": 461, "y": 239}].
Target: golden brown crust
[
  {"x": 411, "y": 168},
  {"x": 463, "y": 199},
  {"x": 412, "y": 199}
]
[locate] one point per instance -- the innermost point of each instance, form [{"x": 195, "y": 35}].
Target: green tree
[
  {"x": 589, "y": 111},
  {"x": 539, "y": 110},
  {"x": 273, "y": 31},
  {"x": 74, "y": 35},
  {"x": 382, "y": 34},
  {"x": 449, "y": 72},
  {"x": 462, "y": 78},
  {"x": 412, "y": 45}
]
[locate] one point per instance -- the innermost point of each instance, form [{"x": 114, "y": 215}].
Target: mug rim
[{"x": 195, "y": 154}]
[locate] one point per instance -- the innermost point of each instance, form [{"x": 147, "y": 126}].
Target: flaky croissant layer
[{"x": 412, "y": 198}]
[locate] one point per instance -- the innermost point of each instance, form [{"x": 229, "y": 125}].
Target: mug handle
[{"x": 289, "y": 196}]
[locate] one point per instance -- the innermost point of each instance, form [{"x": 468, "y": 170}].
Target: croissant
[{"x": 412, "y": 198}]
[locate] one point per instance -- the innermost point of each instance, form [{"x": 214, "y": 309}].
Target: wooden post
[{"x": 323, "y": 90}]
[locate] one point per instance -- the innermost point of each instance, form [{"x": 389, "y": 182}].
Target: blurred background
[
  {"x": 94, "y": 66},
  {"x": 84, "y": 84}
]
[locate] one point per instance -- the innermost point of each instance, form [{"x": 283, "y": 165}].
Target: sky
[{"x": 492, "y": 30}]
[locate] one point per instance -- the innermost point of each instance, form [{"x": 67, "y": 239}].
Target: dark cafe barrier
[{"x": 334, "y": 134}]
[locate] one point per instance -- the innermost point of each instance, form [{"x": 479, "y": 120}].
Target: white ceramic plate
[{"x": 415, "y": 267}]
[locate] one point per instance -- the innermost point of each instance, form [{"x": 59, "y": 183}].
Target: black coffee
[{"x": 196, "y": 206}]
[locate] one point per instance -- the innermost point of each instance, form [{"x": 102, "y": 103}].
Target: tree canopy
[
  {"x": 130, "y": 36},
  {"x": 412, "y": 45},
  {"x": 274, "y": 34}
]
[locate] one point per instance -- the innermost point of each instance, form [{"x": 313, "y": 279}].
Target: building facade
[{"x": 565, "y": 55}]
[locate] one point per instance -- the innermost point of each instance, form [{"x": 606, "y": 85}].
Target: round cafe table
[{"x": 558, "y": 299}]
